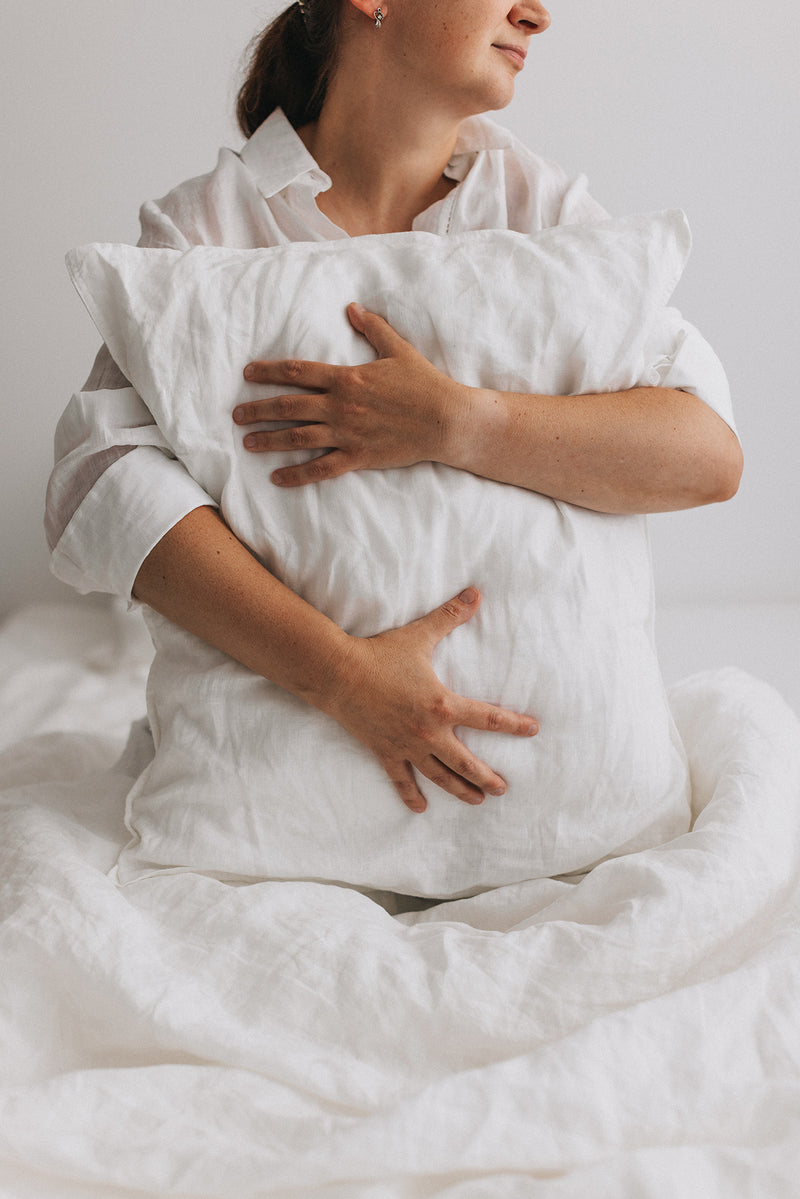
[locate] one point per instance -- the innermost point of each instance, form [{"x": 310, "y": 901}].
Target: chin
[
  {"x": 491, "y": 98},
  {"x": 497, "y": 103},
  {"x": 501, "y": 91},
  {"x": 504, "y": 103}
]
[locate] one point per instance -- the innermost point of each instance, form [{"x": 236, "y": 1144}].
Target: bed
[{"x": 632, "y": 1032}]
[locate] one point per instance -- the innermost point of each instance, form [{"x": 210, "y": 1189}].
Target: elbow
[
  {"x": 708, "y": 455},
  {"x": 723, "y": 469}
]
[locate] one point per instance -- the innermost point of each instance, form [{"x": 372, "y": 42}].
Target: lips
[{"x": 515, "y": 54}]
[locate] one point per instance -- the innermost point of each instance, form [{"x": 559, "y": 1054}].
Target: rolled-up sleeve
[
  {"x": 115, "y": 492},
  {"x": 681, "y": 358},
  {"x": 116, "y": 488}
]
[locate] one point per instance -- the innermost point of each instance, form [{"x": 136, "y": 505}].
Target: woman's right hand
[{"x": 389, "y": 697}]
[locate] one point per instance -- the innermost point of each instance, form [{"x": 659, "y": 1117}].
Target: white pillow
[{"x": 248, "y": 781}]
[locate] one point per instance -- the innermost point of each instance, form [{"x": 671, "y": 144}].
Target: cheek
[
  {"x": 450, "y": 30},
  {"x": 464, "y": 52}
]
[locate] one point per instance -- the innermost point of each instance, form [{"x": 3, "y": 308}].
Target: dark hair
[{"x": 290, "y": 65}]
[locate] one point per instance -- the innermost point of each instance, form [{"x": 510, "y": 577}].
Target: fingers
[
  {"x": 404, "y": 781},
  {"x": 402, "y": 777},
  {"x": 293, "y": 372},
  {"x": 330, "y": 463},
  {"x": 460, "y": 773},
  {"x": 298, "y": 437},
  {"x": 316, "y": 470},
  {"x": 378, "y": 332},
  {"x": 456, "y": 771},
  {"x": 318, "y": 376},
  {"x": 473, "y": 714},
  {"x": 448, "y": 616},
  {"x": 280, "y": 408},
  {"x": 454, "y": 768}
]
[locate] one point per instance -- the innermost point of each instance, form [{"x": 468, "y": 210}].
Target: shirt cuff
[{"x": 127, "y": 512}]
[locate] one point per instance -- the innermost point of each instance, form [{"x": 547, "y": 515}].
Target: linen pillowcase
[{"x": 248, "y": 781}]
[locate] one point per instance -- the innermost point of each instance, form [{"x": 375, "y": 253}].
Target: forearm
[
  {"x": 204, "y": 580},
  {"x": 650, "y": 449},
  {"x": 644, "y": 450}
]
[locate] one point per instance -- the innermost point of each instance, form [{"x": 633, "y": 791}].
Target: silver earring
[{"x": 378, "y": 15}]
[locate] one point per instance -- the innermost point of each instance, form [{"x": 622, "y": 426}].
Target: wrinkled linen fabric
[
  {"x": 631, "y": 1032},
  {"x": 110, "y": 456},
  {"x": 565, "y": 629},
  {"x": 116, "y": 490}
]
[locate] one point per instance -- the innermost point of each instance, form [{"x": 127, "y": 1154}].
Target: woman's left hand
[{"x": 394, "y": 411}]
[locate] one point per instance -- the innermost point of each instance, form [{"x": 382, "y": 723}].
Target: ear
[{"x": 368, "y": 7}]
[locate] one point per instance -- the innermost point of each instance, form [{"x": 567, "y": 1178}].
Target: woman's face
[{"x": 469, "y": 52}]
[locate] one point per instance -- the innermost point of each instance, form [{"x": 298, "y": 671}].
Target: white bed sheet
[{"x": 630, "y": 1034}]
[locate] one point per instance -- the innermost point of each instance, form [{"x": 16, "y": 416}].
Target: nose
[{"x": 529, "y": 16}]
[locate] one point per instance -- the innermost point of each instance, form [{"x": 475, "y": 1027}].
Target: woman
[{"x": 378, "y": 134}]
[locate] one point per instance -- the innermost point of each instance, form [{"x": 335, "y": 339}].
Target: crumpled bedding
[{"x": 630, "y": 1033}]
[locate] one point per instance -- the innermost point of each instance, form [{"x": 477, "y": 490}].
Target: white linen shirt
[{"x": 116, "y": 489}]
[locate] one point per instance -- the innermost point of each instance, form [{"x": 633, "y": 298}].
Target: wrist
[
  {"x": 476, "y": 419},
  {"x": 334, "y": 674}
]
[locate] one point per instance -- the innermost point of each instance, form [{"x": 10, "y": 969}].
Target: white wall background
[{"x": 691, "y": 104}]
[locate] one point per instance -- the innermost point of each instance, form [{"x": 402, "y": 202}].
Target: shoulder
[
  {"x": 230, "y": 205},
  {"x": 199, "y": 211},
  {"x": 539, "y": 192}
]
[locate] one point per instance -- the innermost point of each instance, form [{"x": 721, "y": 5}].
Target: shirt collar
[
  {"x": 276, "y": 157},
  {"x": 480, "y": 133}
]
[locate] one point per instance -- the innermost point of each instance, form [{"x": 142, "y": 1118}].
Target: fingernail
[
  {"x": 496, "y": 790},
  {"x": 238, "y": 414},
  {"x": 468, "y": 595},
  {"x": 359, "y": 308},
  {"x": 532, "y": 729},
  {"x": 249, "y": 441},
  {"x": 249, "y": 372}
]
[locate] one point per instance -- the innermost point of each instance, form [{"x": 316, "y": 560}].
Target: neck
[{"x": 385, "y": 160}]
